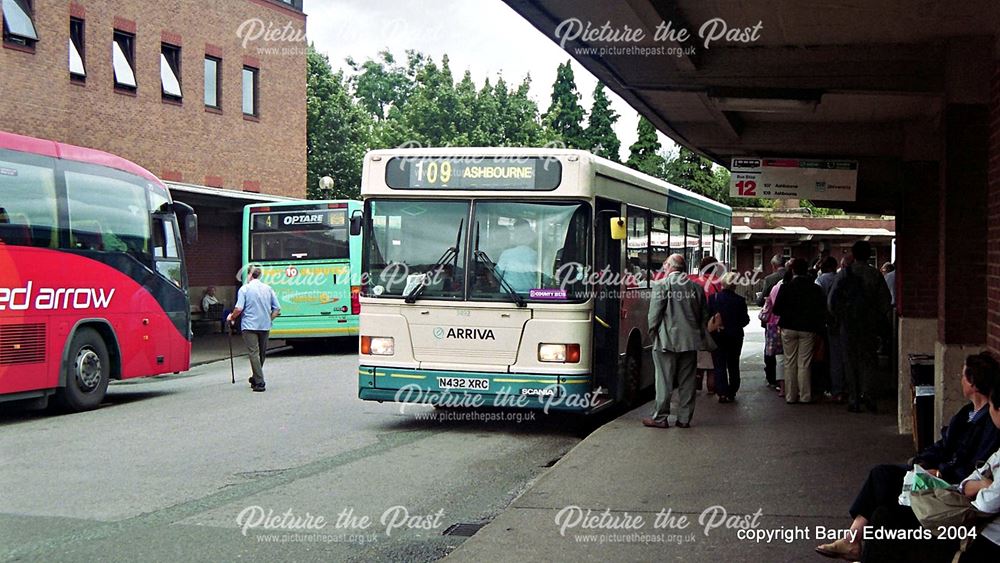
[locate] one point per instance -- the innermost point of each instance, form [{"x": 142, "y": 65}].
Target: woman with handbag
[
  {"x": 708, "y": 277},
  {"x": 732, "y": 312},
  {"x": 772, "y": 332},
  {"x": 802, "y": 309}
]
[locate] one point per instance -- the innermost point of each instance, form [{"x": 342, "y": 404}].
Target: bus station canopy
[{"x": 860, "y": 80}]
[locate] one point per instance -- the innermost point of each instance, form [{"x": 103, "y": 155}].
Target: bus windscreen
[{"x": 313, "y": 234}]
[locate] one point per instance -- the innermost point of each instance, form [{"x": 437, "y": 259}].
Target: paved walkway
[
  {"x": 208, "y": 348},
  {"x": 797, "y": 466}
]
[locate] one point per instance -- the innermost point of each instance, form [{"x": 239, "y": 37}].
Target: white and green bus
[{"x": 516, "y": 277}]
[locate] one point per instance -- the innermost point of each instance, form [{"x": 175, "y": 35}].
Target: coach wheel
[
  {"x": 628, "y": 378},
  {"x": 89, "y": 370}
]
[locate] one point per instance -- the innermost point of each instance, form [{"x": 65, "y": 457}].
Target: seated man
[
  {"x": 213, "y": 308},
  {"x": 970, "y": 438}
]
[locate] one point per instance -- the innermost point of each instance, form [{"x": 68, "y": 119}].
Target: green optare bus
[{"x": 309, "y": 257}]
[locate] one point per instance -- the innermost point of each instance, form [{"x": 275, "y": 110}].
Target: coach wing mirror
[
  {"x": 618, "y": 228},
  {"x": 188, "y": 219},
  {"x": 356, "y": 219}
]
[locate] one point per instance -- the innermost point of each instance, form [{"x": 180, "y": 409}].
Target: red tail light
[
  {"x": 355, "y": 299},
  {"x": 572, "y": 353},
  {"x": 366, "y": 345}
]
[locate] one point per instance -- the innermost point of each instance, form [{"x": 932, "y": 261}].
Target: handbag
[
  {"x": 708, "y": 342},
  {"x": 939, "y": 507}
]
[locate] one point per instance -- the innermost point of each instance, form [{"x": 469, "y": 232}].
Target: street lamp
[{"x": 326, "y": 183}]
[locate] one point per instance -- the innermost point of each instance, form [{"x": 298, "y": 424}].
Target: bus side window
[
  {"x": 27, "y": 203},
  {"x": 165, "y": 251}
]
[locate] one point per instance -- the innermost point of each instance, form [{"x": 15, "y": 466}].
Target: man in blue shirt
[
  {"x": 519, "y": 265},
  {"x": 258, "y": 305}
]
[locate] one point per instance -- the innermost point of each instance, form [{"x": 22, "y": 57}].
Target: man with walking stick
[{"x": 258, "y": 305}]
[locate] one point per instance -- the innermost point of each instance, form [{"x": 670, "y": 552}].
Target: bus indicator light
[
  {"x": 559, "y": 353},
  {"x": 377, "y": 345}
]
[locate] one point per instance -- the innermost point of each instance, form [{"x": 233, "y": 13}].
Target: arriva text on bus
[{"x": 50, "y": 299}]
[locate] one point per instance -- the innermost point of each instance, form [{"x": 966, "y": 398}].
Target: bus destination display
[
  {"x": 299, "y": 220},
  {"x": 472, "y": 173}
]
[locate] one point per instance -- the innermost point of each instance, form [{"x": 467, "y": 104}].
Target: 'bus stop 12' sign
[{"x": 794, "y": 178}]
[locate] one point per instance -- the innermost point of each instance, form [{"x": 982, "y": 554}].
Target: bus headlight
[
  {"x": 377, "y": 345},
  {"x": 560, "y": 353}
]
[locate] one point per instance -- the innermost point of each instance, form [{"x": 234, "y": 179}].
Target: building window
[
  {"x": 18, "y": 27},
  {"x": 123, "y": 60},
  {"x": 77, "y": 50},
  {"x": 250, "y": 89},
  {"x": 213, "y": 82},
  {"x": 170, "y": 71}
]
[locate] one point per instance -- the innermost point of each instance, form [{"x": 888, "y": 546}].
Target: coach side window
[
  {"x": 107, "y": 214},
  {"x": 27, "y": 203}
]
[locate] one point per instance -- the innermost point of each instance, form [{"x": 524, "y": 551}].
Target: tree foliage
[
  {"x": 600, "y": 133},
  {"x": 563, "y": 122},
  {"x": 338, "y": 131},
  {"x": 644, "y": 154}
]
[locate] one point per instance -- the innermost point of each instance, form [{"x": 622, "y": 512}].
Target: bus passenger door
[{"x": 607, "y": 297}]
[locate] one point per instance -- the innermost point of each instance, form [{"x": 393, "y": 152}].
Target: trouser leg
[
  {"x": 805, "y": 354},
  {"x": 733, "y": 351},
  {"x": 664, "y": 364},
  {"x": 790, "y": 343},
  {"x": 252, "y": 342},
  {"x": 882, "y": 487},
  {"x": 771, "y": 369},
  {"x": 719, "y": 360},
  {"x": 686, "y": 364},
  {"x": 852, "y": 373},
  {"x": 836, "y": 361}
]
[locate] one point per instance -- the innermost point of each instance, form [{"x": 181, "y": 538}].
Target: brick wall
[
  {"x": 215, "y": 258},
  {"x": 993, "y": 233},
  {"x": 184, "y": 141},
  {"x": 917, "y": 241},
  {"x": 963, "y": 228}
]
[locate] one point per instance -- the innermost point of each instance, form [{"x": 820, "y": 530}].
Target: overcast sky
[{"x": 483, "y": 36}]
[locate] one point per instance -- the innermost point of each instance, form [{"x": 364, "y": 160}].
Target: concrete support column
[
  {"x": 962, "y": 303},
  {"x": 917, "y": 251}
]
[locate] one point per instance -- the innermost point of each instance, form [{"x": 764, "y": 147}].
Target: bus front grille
[{"x": 22, "y": 344}]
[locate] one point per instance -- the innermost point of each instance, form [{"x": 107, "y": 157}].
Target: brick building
[
  {"x": 759, "y": 234},
  {"x": 209, "y": 95}
]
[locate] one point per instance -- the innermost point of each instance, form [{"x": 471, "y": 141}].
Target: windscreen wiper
[
  {"x": 479, "y": 255},
  {"x": 449, "y": 255}
]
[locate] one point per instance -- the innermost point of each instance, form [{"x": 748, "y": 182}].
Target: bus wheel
[
  {"x": 628, "y": 378},
  {"x": 88, "y": 373}
]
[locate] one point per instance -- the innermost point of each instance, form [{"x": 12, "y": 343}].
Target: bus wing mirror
[
  {"x": 191, "y": 228},
  {"x": 356, "y": 219},
  {"x": 618, "y": 228},
  {"x": 188, "y": 220}
]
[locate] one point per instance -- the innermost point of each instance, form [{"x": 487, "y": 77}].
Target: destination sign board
[
  {"x": 794, "y": 178},
  {"x": 473, "y": 173},
  {"x": 311, "y": 219}
]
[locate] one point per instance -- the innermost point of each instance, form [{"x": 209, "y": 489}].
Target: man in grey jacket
[{"x": 677, "y": 318}]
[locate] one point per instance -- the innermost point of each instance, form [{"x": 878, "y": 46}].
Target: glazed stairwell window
[
  {"x": 123, "y": 61},
  {"x": 213, "y": 82},
  {"x": 251, "y": 107},
  {"x": 170, "y": 72},
  {"x": 77, "y": 51},
  {"x": 18, "y": 24}
]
